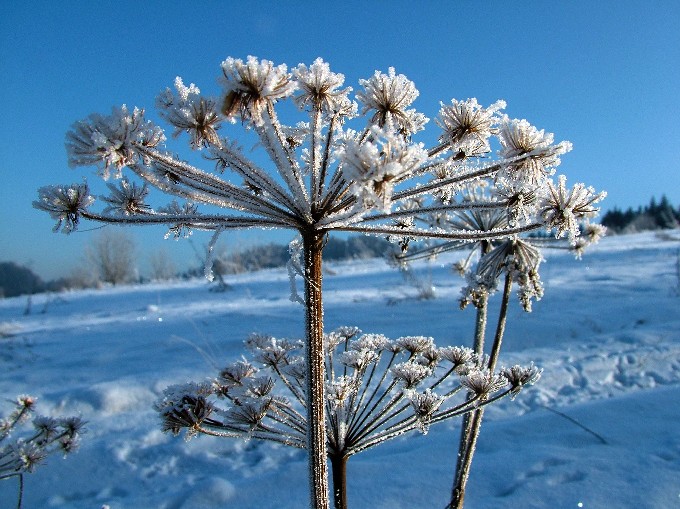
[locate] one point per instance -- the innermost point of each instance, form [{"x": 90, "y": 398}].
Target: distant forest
[
  {"x": 16, "y": 279},
  {"x": 658, "y": 215}
]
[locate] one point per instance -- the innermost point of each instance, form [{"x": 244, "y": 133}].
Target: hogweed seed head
[
  {"x": 65, "y": 204},
  {"x": 410, "y": 374},
  {"x": 111, "y": 141},
  {"x": 188, "y": 111},
  {"x": 467, "y": 126},
  {"x": 127, "y": 198},
  {"x": 563, "y": 209},
  {"x": 482, "y": 382},
  {"x": 249, "y": 87},
  {"x": 320, "y": 89},
  {"x": 415, "y": 344},
  {"x": 519, "y": 138},
  {"x": 388, "y": 96},
  {"x": 518, "y": 377},
  {"x": 424, "y": 405}
]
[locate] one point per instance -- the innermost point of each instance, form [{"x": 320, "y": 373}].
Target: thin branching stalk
[{"x": 472, "y": 430}]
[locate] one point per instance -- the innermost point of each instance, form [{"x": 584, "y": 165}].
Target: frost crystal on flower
[
  {"x": 249, "y": 413},
  {"x": 425, "y": 404},
  {"x": 460, "y": 357},
  {"x": 519, "y": 376},
  {"x": 188, "y": 112},
  {"x": 249, "y": 87},
  {"x": 415, "y": 344},
  {"x": 21, "y": 451},
  {"x": 482, "y": 382},
  {"x": 235, "y": 374},
  {"x": 591, "y": 233},
  {"x": 340, "y": 335},
  {"x": 389, "y": 95},
  {"x": 111, "y": 141},
  {"x": 269, "y": 350},
  {"x": 320, "y": 89},
  {"x": 358, "y": 359},
  {"x": 340, "y": 390},
  {"x": 410, "y": 373},
  {"x": 377, "y": 167},
  {"x": 65, "y": 204},
  {"x": 534, "y": 150},
  {"x": 467, "y": 126},
  {"x": 375, "y": 342},
  {"x": 188, "y": 411},
  {"x": 126, "y": 199},
  {"x": 563, "y": 209}
]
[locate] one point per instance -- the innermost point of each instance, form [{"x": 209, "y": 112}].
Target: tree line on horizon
[
  {"x": 110, "y": 261},
  {"x": 17, "y": 279},
  {"x": 657, "y": 215}
]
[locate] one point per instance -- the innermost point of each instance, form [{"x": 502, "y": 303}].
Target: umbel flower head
[
  {"x": 320, "y": 89},
  {"x": 388, "y": 96},
  {"x": 65, "y": 204},
  {"x": 111, "y": 141},
  {"x": 325, "y": 174},
  {"x": 251, "y": 86},
  {"x": 338, "y": 168},
  {"x": 467, "y": 126},
  {"x": 189, "y": 112},
  {"x": 378, "y": 389},
  {"x": 22, "y": 450}
]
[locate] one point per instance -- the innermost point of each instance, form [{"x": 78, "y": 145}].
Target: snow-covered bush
[
  {"x": 376, "y": 389},
  {"x": 22, "y": 450},
  {"x": 351, "y": 164}
]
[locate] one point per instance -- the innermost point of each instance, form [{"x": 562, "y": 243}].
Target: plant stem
[
  {"x": 314, "y": 357},
  {"x": 465, "y": 457},
  {"x": 21, "y": 491},
  {"x": 339, "y": 467},
  {"x": 469, "y": 418}
]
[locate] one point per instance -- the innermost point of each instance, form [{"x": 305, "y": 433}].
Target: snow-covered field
[{"x": 601, "y": 429}]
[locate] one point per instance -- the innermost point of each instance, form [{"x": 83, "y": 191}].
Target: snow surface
[{"x": 607, "y": 334}]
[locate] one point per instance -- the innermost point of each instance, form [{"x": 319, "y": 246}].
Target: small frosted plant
[
  {"x": 351, "y": 164},
  {"x": 26, "y": 440},
  {"x": 513, "y": 261},
  {"x": 376, "y": 389}
]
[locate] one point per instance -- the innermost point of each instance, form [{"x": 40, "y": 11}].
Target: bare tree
[
  {"x": 162, "y": 266},
  {"x": 323, "y": 176},
  {"x": 112, "y": 256}
]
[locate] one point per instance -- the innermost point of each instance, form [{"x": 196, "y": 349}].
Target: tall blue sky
[{"x": 604, "y": 75}]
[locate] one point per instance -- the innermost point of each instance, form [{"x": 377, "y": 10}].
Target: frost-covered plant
[
  {"x": 344, "y": 167},
  {"x": 376, "y": 389},
  {"x": 22, "y": 450},
  {"x": 514, "y": 260}
]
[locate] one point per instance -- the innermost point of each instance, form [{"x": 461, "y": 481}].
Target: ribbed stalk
[{"x": 314, "y": 356}]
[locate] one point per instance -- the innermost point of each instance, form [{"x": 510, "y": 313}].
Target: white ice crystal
[
  {"x": 319, "y": 88},
  {"x": 249, "y": 87},
  {"x": 532, "y": 154},
  {"x": 563, "y": 208},
  {"x": 388, "y": 96},
  {"x": 468, "y": 126},
  {"x": 111, "y": 141},
  {"x": 188, "y": 111}
]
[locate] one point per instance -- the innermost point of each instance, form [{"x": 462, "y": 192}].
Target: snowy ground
[{"x": 607, "y": 334}]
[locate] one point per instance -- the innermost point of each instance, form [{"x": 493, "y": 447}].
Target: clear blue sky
[{"x": 604, "y": 75}]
